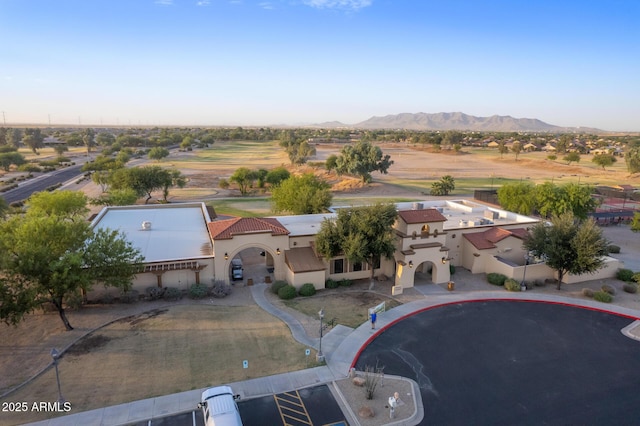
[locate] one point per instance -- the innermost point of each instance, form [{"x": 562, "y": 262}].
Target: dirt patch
[
  {"x": 88, "y": 344},
  {"x": 137, "y": 319}
]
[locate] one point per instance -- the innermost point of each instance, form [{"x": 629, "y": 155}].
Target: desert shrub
[
  {"x": 587, "y": 292},
  {"x": 32, "y": 168},
  {"x": 131, "y": 296},
  {"x": 154, "y": 293},
  {"x": 287, "y": 292},
  {"x": 331, "y": 283},
  {"x": 345, "y": 282},
  {"x": 223, "y": 183},
  {"x": 275, "y": 287},
  {"x": 630, "y": 288},
  {"x": 496, "y": 279},
  {"x": 220, "y": 289},
  {"x": 198, "y": 291},
  {"x": 452, "y": 269},
  {"x": 172, "y": 293},
  {"x": 624, "y": 274},
  {"x": 608, "y": 289},
  {"x": 636, "y": 277},
  {"x": 552, "y": 157},
  {"x": 612, "y": 248},
  {"x": 601, "y": 296},
  {"x": 307, "y": 290},
  {"x": 529, "y": 285},
  {"x": 511, "y": 285}
]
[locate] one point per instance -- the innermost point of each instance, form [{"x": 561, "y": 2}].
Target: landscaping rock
[
  {"x": 366, "y": 412},
  {"x": 358, "y": 381}
]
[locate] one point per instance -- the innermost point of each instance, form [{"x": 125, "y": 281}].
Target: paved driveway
[{"x": 505, "y": 362}]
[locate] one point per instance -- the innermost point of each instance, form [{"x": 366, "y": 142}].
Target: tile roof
[
  {"x": 226, "y": 229},
  {"x": 487, "y": 239},
  {"x": 421, "y": 216}
]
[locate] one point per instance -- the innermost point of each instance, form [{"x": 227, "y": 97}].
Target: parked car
[{"x": 219, "y": 407}]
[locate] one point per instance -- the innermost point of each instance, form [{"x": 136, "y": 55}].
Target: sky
[{"x": 294, "y": 62}]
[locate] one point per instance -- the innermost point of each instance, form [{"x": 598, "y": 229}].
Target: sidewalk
[{"x": 340, "y": 345}]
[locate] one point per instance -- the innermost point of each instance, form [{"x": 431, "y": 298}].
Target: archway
[
  {"x": 424, "y": 273},
  {"x": 251, "y": 264}
]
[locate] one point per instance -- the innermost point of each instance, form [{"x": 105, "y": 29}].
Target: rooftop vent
[
  {"x": 417, "y": 206},
  {"x": 146, "y": 225}
]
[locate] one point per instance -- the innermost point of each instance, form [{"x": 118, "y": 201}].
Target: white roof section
[
  {"x": 176, "y": 231},
  {"x": 460, "y": 214}
]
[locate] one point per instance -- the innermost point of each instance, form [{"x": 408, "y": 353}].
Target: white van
[{"x": 219, "y": 407}]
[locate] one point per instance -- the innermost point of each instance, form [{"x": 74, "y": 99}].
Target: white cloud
[
  {"x": 203, "y": 3},
  {"x": 164, "y": 2},
  {"x": 338, "y": 4},
  {"x": 266, "y": 5}
]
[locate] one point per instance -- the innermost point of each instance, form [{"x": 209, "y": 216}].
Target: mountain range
[{"x": 457, "y": 121}]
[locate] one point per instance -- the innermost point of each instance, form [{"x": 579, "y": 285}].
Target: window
[
  {"x": 424, "y": 232},
  {"x": 337, "y": 266},
  {"x": 357, "y": 267}
]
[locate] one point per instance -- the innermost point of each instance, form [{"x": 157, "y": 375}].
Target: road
[{"x": 41, "y": 183}]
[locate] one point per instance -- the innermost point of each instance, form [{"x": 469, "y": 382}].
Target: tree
[
  {"x": 145, "y": 180},
  {"x": 572, "y": 157},
  {"x": 632, "y": 158},
  {"x": 277, "y": 175},
  {"x": 105, "y": 139},
  {"x": 444, "y": 186},
  {"x": 517, "y": 197},
  {"x": 158, "y": 153},
  {"x": 69, "y": 204},
  {"x": 88, "y": 139},
  {"x": 502, "y": 148},
  {"x": 298, "y": 151},
  {"x": 51, "y": 253},
  {"x": 33, "y": 139},
  {"x": 13, "y": 137},
  {"x": 9, "y": 158},
  {"x": 116, "y": 197},
  {"x": 604, "y": 160},
  {"x": 516, "y": 148},
  {"x": 306, "y": 194},
  {"x": 4, "y": 207},
  {"x": 331, "y": 162},
  {"x": 60, "y": 149},
  {"x": 361, "y": 159},
  {"x": 363, "y": 234},
  {"x": 244, "y": 178},
  {"x": 568, "y": 245}
]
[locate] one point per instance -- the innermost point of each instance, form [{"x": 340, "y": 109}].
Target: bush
[
  {"x": 601, "y": 296},
  {"x": 345, "y": 282},
  {"x": 630, "y": 288},
  {"x": 31, "y": 168},
  {"x": 612, "y": 248},
  {"x": 198, "y": 291},
  {"x": 223, "y": 183},
  {"x": 307, "y": 290},
  {"x": 496, "y": 279},
  {"x": 588, "y": 292},
  {"x": 154, "y": 293},
  {"x": 624, "y": 274},
  {"x": 636, "y": 277},
  {"x": 287, "y": 292},
  {"x": 275, "y": 287},
  {"x": 131, "y": 296},
  {"x": 511, "y": 285},
  {"x": 220, "y": 289},
  {"x": 331, "y": 283},
  {"x": 172, "y": 293},
  {"x": 608, "y": 289}
]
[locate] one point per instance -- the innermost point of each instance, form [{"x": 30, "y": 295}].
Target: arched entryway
[
  {"x": 425, "y": 272},
  {"x": 251, "y": 265}
]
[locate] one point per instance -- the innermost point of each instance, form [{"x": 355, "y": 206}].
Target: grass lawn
[
  {"x": 350, "y": 308},
  {"x": 165, "y": 351},
  {"x": 243, "y": 207},
  {"x": 236, "y": 154}
]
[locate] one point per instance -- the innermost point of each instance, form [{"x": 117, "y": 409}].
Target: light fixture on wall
[
  {"x": 226, "y": 256},
  {"x": 444, "y": 260},
  {"x": 278, "y": 251},
  {"x": 411, "y": 264}
]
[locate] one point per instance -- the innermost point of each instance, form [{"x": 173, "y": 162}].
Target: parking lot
[{"x": 313, "y": 406}]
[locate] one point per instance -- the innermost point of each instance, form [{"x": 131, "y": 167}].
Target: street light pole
[
  {"x": 320, "y": 355},
  {"x": 55, "y": 355}
]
